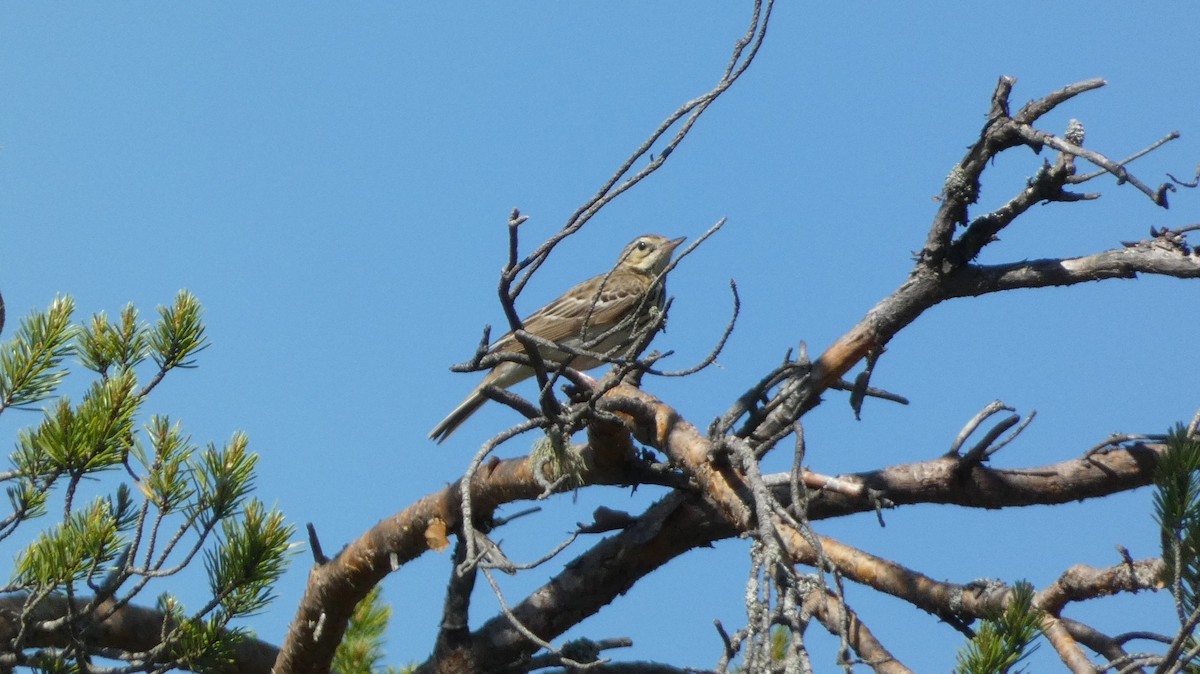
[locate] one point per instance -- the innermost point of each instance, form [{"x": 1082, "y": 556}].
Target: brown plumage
[{"x": 616, "y": 302}]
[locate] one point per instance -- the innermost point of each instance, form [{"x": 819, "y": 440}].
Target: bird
[{"x": 608, "y": 308}]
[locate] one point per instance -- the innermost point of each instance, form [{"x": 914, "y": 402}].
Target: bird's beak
[{"x": 674, "y": 243}]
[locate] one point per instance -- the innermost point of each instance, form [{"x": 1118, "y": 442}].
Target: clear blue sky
[{"x": 333, "y": 182}]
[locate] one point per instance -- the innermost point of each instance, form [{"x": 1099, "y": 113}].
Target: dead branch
[
  {"x": 987, "y": 446},
  {"x": 681, "y": 522},
  {"x": 1174, "y": 135},
  {"x": 1036, "y": 139},
  {"x": 1065, "y": 645},
  {"x": 685, "y": 117},
  {"x": 453, "y": 635},
  {"x": 964, "y": 603},
  {"x": 834, "y": 615},
  {"x": 944, "y": 269},
  {"x": 994, "y": 407},
  {"x": 721, "y": 501},
  {"x": 1082, "y": 582},
  {"x": 334, "y": 589},
  {"x": 716, "y": 350},
  {"x": 1120, "y": 263}
]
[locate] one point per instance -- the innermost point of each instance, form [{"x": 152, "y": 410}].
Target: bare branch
[
  {"x": 1174, "y": 135},
  {"x": 1035, "y": 109},
  {"x": 1038, "y": 138},
  {"x": 833, "y": 614},
  {"x": 870, "y": 392},
  {"x": 720, "y": 491},
  {"x": 1145, "y": 258},
  {"x": 994, "y": 407},
  {"x": 454, "y": 630},
  {"x": 686, "y": 116},
  {"x": 314, "y": 545},
  {"x": 1194, "y": 182},
  {"x": 681, "y": 522},
  {"x": 335, "y": 588},
  {"x": 716, "y": 350}
]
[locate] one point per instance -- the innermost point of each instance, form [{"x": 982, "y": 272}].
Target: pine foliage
[{"x": 126, "y": 503}]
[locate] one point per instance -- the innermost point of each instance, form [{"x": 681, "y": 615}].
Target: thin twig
[
  {"x": 990, "y": 409},
  {"x": 689, "y": 113},
  {"x": 1038, "y": 138},
  {"x": 716, "y": 350},
  {"x": 526, "y": 632},
  {"x": 1131, "y": 158}
]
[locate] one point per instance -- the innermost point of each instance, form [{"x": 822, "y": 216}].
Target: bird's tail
[{"x": 458, "y": 416}]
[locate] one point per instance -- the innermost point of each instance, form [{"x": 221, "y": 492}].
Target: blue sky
[{"x": 333, "y": 182}]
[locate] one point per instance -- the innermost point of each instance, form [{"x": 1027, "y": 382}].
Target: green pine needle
[
  {"x": 202, "y": 495},
  {"x": 104, "y": 345},
  {"x": 223, "y": 478},
  {"x": 82, "y": 547},
  {"x": 30, "y": 363},
  {"x": 1004, "y": 639},
  {"x": 179, "y": 333},
  {"x": 93, "y": 436},
  {"x": 167, "y": 484},
  {"x": 361, "y": 650},
  {"x": 1177, "y": 510},
  {"x": 252, "y": 555}
]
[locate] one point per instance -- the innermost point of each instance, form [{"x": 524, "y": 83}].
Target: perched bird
[{"x": 600, "y": 315}]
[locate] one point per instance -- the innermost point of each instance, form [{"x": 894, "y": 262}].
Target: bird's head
[{"x": 649, "y": 253}]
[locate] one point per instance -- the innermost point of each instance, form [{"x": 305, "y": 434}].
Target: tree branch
[
  {"x": 681, "y": 522},
  {"x": 685, "y": 117},
  {"x": 126, "y": 629},
  {"x": 334, "y": 589},
  {"x": 832, "y": 614},
  {"x": 1145, "y": 257}
]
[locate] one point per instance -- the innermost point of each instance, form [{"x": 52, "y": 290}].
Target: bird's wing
[{"x": 602, "y": 303}]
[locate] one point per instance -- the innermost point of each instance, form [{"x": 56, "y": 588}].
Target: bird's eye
[{"x": 642, "y": 245}]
